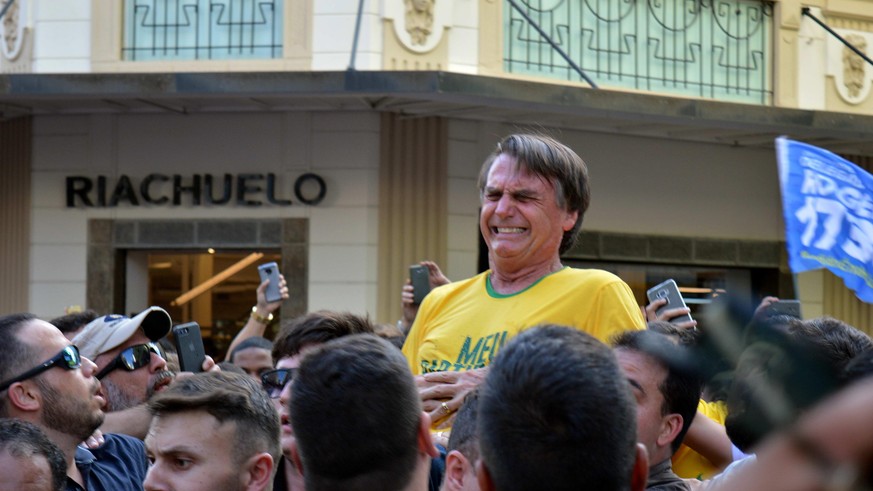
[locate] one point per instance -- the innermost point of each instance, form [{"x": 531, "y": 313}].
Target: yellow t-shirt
[
  {"x": 463, "y": 325},
  {"x": 689, "y": 464}
]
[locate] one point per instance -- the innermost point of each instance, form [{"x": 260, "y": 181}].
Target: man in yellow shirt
[{"x": 534, "y": 192}]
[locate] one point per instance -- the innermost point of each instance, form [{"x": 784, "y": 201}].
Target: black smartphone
[
  {"x": 270, "y": 271},
  {"x": 420, "y": 277},
  {"x": 189, "y": 346},
  {"x": 670, "y": 291}
]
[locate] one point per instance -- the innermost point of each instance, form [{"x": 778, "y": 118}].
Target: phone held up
[
  {"x": 790, "y": 308},
  {"x": 420, "y": 278},
  {"x": 670, "y": 291},
  {"x": 270, "y": 271},
  {"x": 189, "y": 346}
]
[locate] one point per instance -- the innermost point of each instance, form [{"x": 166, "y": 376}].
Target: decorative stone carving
[
  {"x": 419, "y": 25},
  {"x": 419, "y": 20},
  {"x": 852, "y": 75},
  {"x": 12, "y": 30},
  {"x": 853, "y": 65}
]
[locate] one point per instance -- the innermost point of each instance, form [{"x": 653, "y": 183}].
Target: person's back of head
[
  {"x": 357, "y": 416},
  {"x": 833, "y": 340},
  {"x": 317, "y": 328},
  {"x": 28, "y": 456},
  {"x": 556, "y": 411},
  {"x": 71, "y": 324},
  {"x": 463, "y": 447},
  {"x": 17, "y": 357}
]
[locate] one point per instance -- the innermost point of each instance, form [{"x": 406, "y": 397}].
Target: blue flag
[{"x": 828, "y": 207}]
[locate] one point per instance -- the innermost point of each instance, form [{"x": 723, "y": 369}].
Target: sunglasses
[
  {"x": 68, "y": 359},
  {"x": 132, "y": 358},
  {"x": 276, "y": 380}
]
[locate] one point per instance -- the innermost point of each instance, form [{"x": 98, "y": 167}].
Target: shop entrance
[{"x": 169, "y": 278}]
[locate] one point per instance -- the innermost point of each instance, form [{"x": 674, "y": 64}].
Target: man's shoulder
[
  {"x": 593, "y": 277},
  {"x": 118, "y": 450}
]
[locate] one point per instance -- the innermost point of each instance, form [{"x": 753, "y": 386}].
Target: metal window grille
[
  {"x": 719, "y": 49},
  {"x": 202, "y": 29}
]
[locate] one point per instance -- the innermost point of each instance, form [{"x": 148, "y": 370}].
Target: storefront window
[{"x": 221, "y": 310}]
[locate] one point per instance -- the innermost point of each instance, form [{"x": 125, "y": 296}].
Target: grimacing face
[{"x": 521, "y": 220}]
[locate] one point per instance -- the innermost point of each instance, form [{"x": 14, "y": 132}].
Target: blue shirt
[{"x": 120, "y": 464}]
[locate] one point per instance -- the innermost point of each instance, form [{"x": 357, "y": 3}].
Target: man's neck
[
  {"x": 506, "y": 279},
  {"x": 68, "y": 445},
  {"x": 420, "y": 475},
  {"x": 293, "y": 479}
]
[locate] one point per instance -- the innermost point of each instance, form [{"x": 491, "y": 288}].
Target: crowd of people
[{"x": 529, "y": 376}]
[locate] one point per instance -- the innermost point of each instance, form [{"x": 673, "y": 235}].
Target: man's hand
[
  {"x": 761, "y": 309},
  {"x": 264, "y": 308},
  {"x": 442, "y": 393},
  {"x": 652, "y": 308},
  {"x": 410, "y": 310}
]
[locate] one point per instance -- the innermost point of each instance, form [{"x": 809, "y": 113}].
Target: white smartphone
[
  {"x": 270, "y": 271},
  {"x": 670, "y": 291}
]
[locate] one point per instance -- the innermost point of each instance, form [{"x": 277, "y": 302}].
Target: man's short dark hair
[
  {"x": 555, "y": 410},
  {"x": 317, "y": 328},
  {"x": 24, "y": 440},
  {"x": 252, "y": 342},
  {"x": 548, "y": 158},
  {"x": 836, "y": 342},
  {"x": 680, "y": 387},
  {"x": 377, "y": 447},
  {"x": 75, "y": 321},
  {"x": 228, "y": 397},
  {"x": 17, "y": 357},
  {"x": 465, "y": 429}
]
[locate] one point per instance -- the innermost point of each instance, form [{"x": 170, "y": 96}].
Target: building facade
[{"x": 137, "y": 136}]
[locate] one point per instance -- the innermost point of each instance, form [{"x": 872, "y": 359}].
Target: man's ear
[
  {"x": 425, "y": 439},
  {"x": 259, "y": 472},
  {"x": 295, "y": 457},
  {"x": 456, "y": 470},
  {"x": 25, "y": 396},
  {"x": 570, "y": 220},
  {"x": 671, "y": 425},
  {"x": 640, "y": 473},
  {"x": 484, "y": 477}
]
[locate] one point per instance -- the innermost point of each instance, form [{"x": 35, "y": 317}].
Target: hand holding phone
[
  {"x": 669, "y": 291},
  {"x": 270, "y": 271},
  {"x": 189, "y": 346}
]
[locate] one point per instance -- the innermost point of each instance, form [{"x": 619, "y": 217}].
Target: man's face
[
  {"x": 254, "y": 361},
  {"x": 287, "y": 437},
  {"x": 25, "y": 474},
  {"x": 645, "y": 376},
  {"x": 70, "y": 400},
  {"x": 520, "y": 219},
  {"x": 192, "y": 451},
  {"x": 124, "y": 389}
]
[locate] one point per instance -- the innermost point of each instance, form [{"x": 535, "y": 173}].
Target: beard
[
  {"x": 68, "y": 415},
  {"x": 117, "y": 399}
]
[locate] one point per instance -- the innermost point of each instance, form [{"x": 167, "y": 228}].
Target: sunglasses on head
[
  {"x": 132, "y": 358},
  {"x": 68, "y": 359},
  {"x": 276, "y": 380}
]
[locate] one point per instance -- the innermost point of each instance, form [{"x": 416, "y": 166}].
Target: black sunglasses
[
  {"x": 276, "y": 380},
  {"x": 132, "y": 358},
  {"x": 68, "y": 359}
]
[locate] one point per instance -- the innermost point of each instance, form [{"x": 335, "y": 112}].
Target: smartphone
[
  {"x": 785, "y": 307},
  {"x": 669, "y": 291},
  {"x": 189, "y": 346},
  {"x": 270, "y": 271},
  {"x": 420, "y": 277}
]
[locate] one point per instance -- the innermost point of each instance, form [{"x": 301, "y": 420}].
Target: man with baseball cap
[{"x": 130, "y": 364}]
